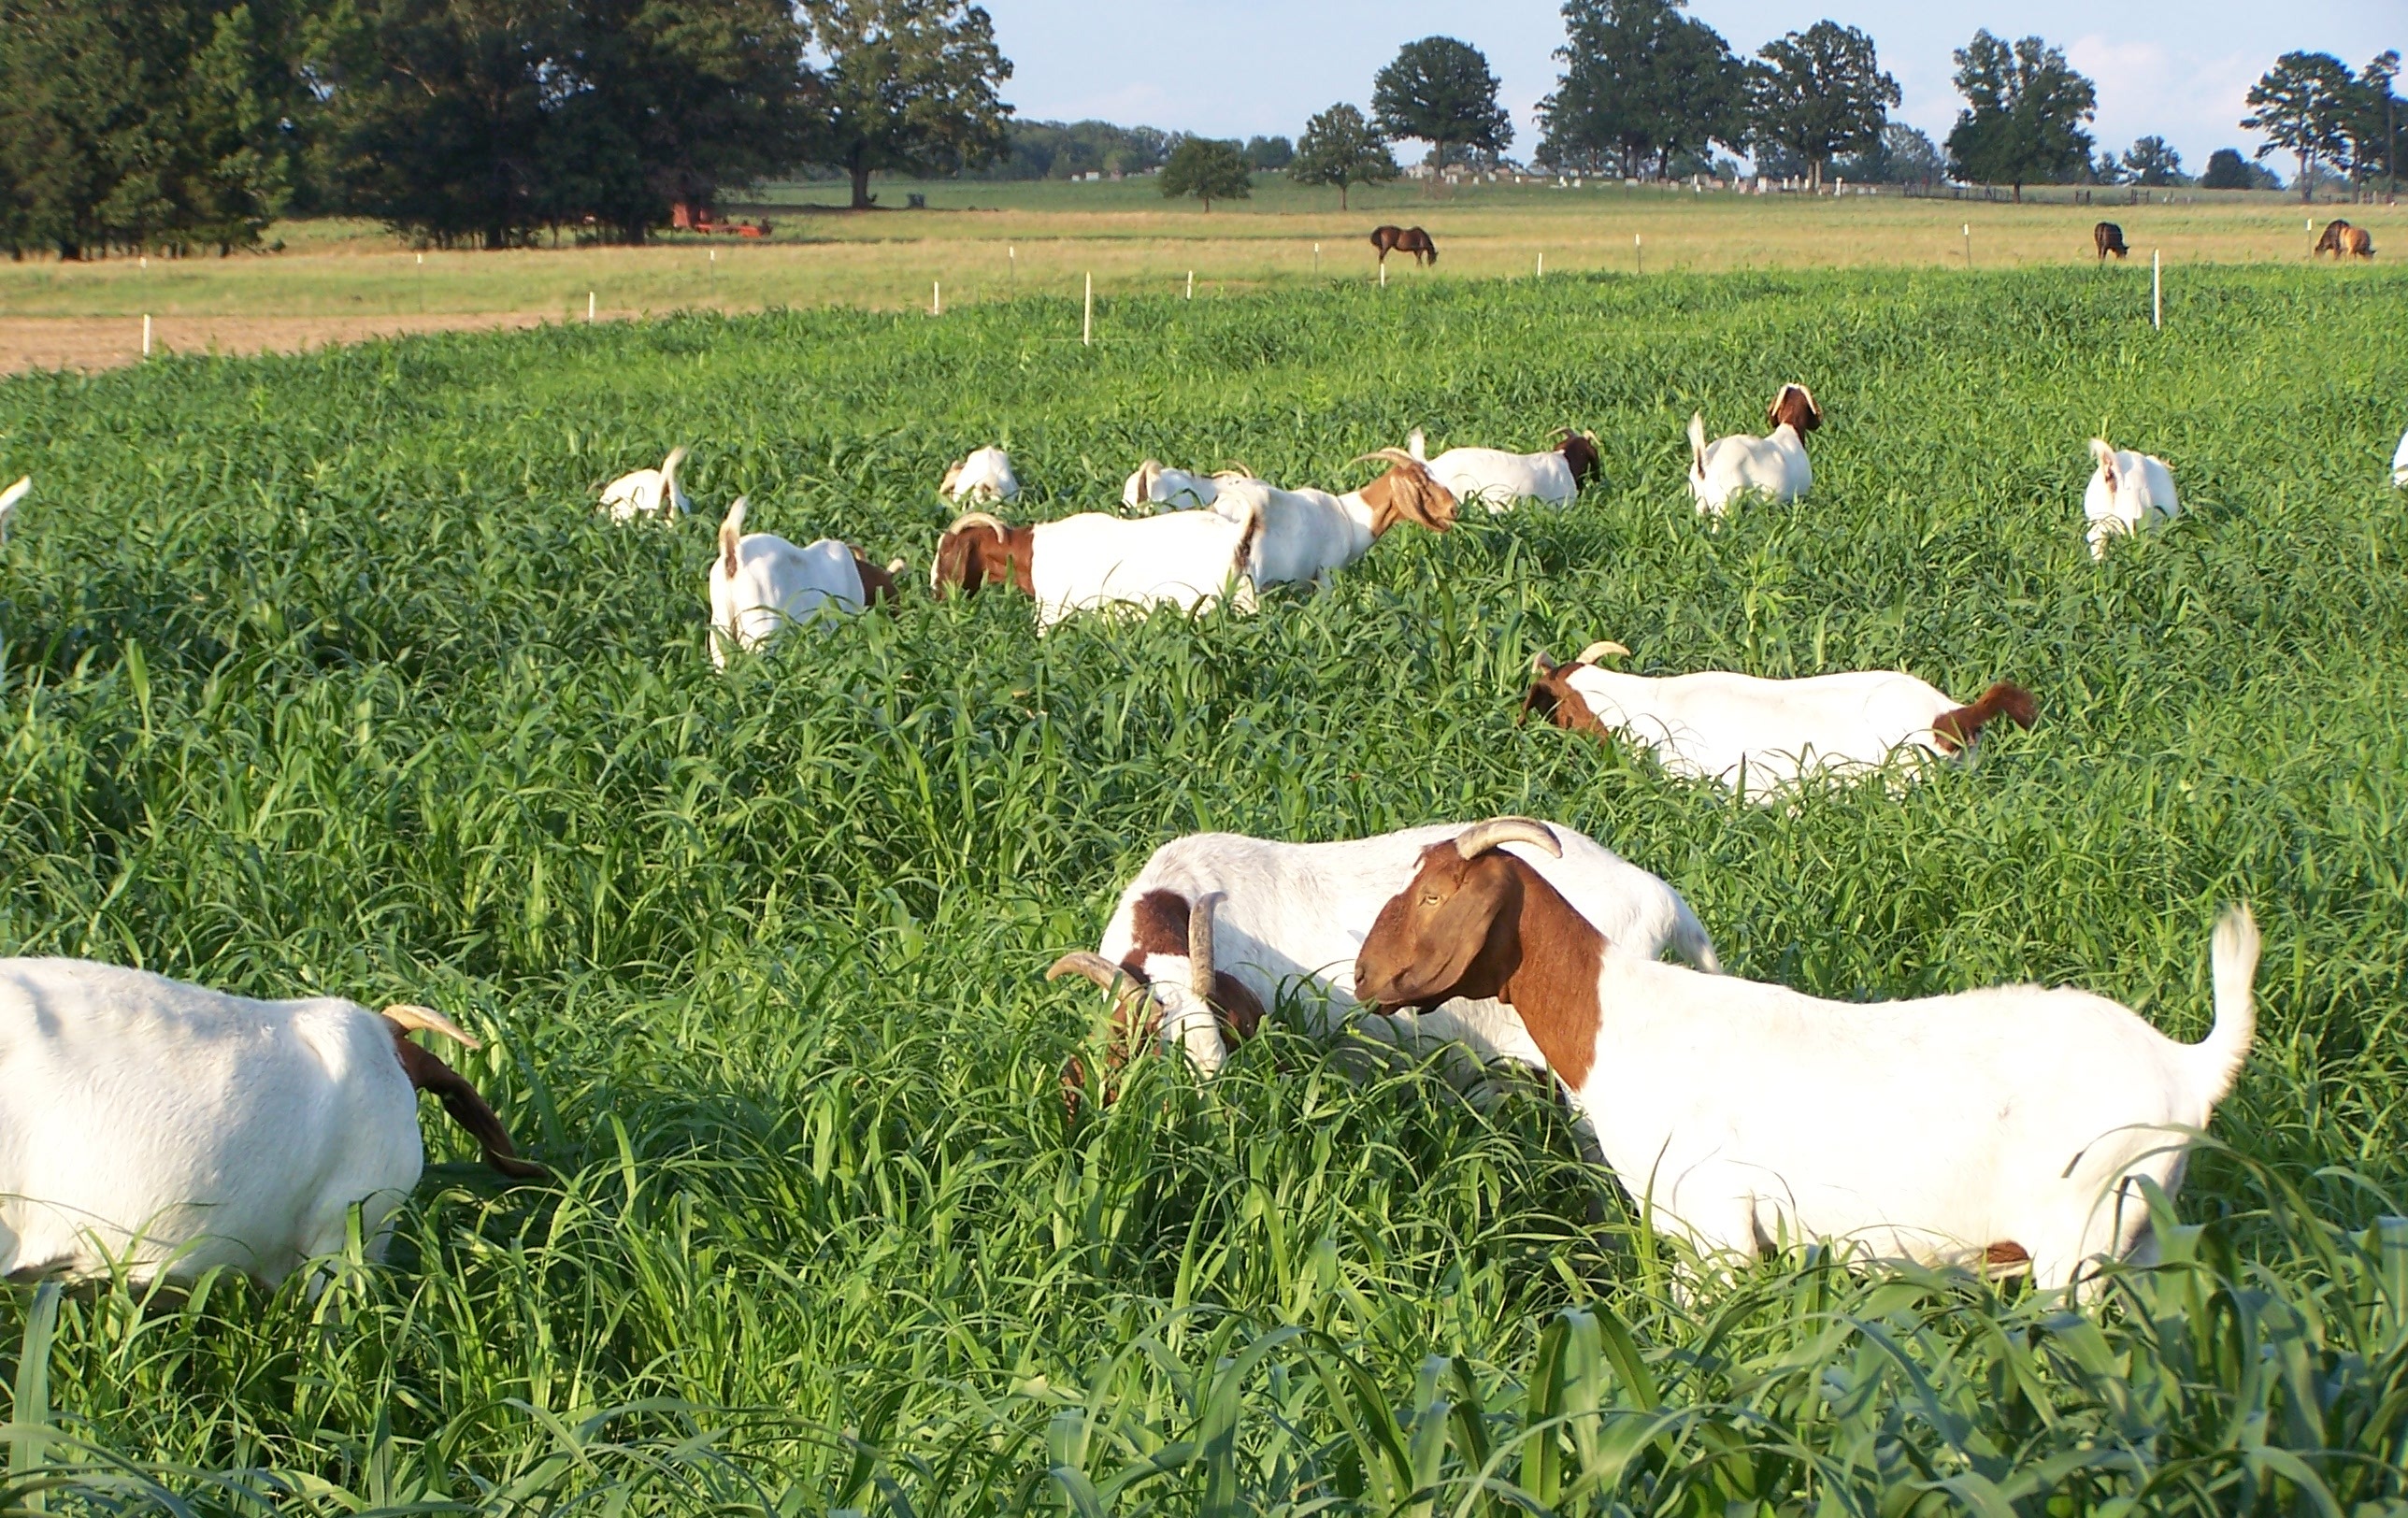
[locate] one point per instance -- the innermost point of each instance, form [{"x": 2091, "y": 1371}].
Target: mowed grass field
[
  {"x": 323, "y": 676},
  {"x": 342, "y": 279}
]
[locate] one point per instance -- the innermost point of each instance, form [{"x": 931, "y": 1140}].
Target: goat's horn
[
  {"x": 1086, "y": 963},
  {"x": 1480, "y": 838},
  {"x": 403, "y": 1015},
  {"x": 1541, "y": 664},
  {"x": 1389, "y": 455},
  {"x": 1199, "y": 942},
  {"x": 978, "y": 518},
  {"x": 1608, "y": 649}
]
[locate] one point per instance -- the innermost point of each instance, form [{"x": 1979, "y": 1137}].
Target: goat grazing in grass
[
  {"x": 1762, "y": 735},
  {"x": 1292, "y": 915},
  {"x": 648, "y": 493},
  {"x": 1496, "y": 478},
  {"x": 1096, "y": 561},
  {"x": 2003, "y": 1129},
  {"x": 167, "y": 1128},
  {"x": 1310, "y": 535},
  {"x": 1772, "y": 466},
  {"x": 762, "y": 584},
  {"x": 985, "y": 474},
  {"x": 2129, "y": 493}
]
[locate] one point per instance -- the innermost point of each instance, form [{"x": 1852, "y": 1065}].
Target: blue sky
[{"x": 1238, "y": 67}]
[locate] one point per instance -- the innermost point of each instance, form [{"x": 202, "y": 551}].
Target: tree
[
  {"x": 2226, "y": 169},
  {"x": 152, "y": 127},
  {"x": 1440, "y": 91},
  {"x": 2372, "y": 119},
  {"x": 1639, "y": 80},
  {"x": 1819, "y": 93},
  {"x": 1269, "y": 154},
  {"x": 1338, "y": 147},
  {"x": 2152, "y": 161},
  {"x": 1209, "y": 170},
  {"x": 910, "y": 86},
  {"x": 2106, "y": 169},
  {"x": 2023, "y": 115},
  {"x": 2301, "y": 105}
]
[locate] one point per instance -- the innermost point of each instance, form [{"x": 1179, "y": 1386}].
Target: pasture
[
  {"x": 341, "y": 280},
  {"x": 322, "y": 675}
]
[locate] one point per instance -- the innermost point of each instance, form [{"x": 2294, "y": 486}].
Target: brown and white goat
[
  {"x": 1773, "y": 466},
  {"x": 1094, "y": 561},
  {"x": 2003, "y": 1128}
]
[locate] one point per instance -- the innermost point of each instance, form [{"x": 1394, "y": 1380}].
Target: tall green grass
[{"x": 321, "y": 675}]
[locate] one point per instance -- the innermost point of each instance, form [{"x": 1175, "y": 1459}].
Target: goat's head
[
  {"x": 1794, "y": 407},
  {"x": 1579, "y": 453},
  {"x": 1406, "y": 493},
  {"x": 977, "y": 549},
  {"x": 985, "y": 474},
  {"x": 1454, "y": 930},
  {"x": 1551, "y": 694},
  {"x": 1139, "y": 487}
]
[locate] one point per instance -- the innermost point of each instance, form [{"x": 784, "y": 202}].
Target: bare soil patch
[{"x": 104, "y": 342}]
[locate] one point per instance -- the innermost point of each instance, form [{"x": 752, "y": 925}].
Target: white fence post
[
  {"x": 1088, "y": 321},
  {"x": 146, "y": 334},
  {"x": 2156, "y": 289}
]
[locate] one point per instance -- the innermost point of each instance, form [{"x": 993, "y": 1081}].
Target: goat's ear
[
  {"x": 952, "y": 476},
  {"x": 2106, "y": 457}
]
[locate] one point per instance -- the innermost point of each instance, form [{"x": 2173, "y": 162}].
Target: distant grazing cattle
[
  {"x": 1404, "y": 239},
  {"x": 2341, "y": 239},
  {"x": 2110, "y": 239}
]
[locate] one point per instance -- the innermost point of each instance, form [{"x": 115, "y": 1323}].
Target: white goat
[
  {"x": 761, "y": 585},
  {"x": 1292, "y": 915},
  {"x": 985, "y": 474},
  {"x": 1094, "y": 561},
  {"x": 2129, "y": 493},
  {"x": 1154, "y": 484},
  {"x": 1758, "y": 735},
  {"x": 1496, "y": 478},
  {"x": 1310, "y": 535},
  {"x": 2001, "y": 1129},
  {"x": 9, "y": 499},
  {"x": 1773, "y": 466},
  {"x": 648, "y": 493},
  {"x": 2399, "y": 466},
  {"x": 169, "y": 1128}
]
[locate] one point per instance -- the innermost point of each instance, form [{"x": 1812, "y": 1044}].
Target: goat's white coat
[
  {"x": 1496, "y": 478},
  {"x": 172, "y": 1128},
  {"x": 1306, "y": 535},
  {"x": 648, "y": 493},
  {"x": 1154, "y": 485},
  {"x": 2140, "y": 497},
  {"x": 985, "y": 474},
  {"x": 776, "y": 585},
  {"x": 2399, "y": 466},
  {"x": 1925, "y": 1130},
  {"x": 1744, "y": 730},
  {"x": 1295, "y": 915},
  {"x": 9, "y": 499},
  {"x": 1096, "y": 559},
  {"x": 1722, "y": 471}
]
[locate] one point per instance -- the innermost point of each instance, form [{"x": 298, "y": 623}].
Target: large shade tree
[
  {"x": 910, "y": 86},
  {"x": 2152, "y": 162},
  {"x": 1207, "y": 169},
  {"x": 1641, "y": 85},
  {"x": 2301, "y": 106},
  {"x": 1441, "y": 92},
  {"x": 1341, "y": 149},
  {"x": 2023, "y": 111},
  {"x": 1819, "y": 93}
]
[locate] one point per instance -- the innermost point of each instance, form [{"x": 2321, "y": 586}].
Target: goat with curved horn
[
  {"x": 1480, "y": 838},
  {"x": 1604, "y": 649}
]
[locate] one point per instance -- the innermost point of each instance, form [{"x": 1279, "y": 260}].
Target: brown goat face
[
  {"x": 1453, "y": 931},
  {"x": 970, "y": 557},
  {"x": 1796, "y": 406}
]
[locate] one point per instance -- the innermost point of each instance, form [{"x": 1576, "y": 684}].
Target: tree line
[{"x": 179, "y": 125}]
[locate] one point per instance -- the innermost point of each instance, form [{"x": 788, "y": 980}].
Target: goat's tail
[
  {"x": 1961, "y": 726},
  {"x": 1698, "y": 445},
  {"x": 1690, "y": 942},
  {"x": 1418, "y": 445},
  {"x": 2234, "y": 963},
  {"x": 402, "y": 1014},
  {"x": 731, "y": 536}
]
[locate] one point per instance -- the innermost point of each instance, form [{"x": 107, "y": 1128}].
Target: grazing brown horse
[
  {"x": 2110, "y": 239},
  {"x": 2341, "y": 241},
  {"x": 1404, "y": 239}
]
